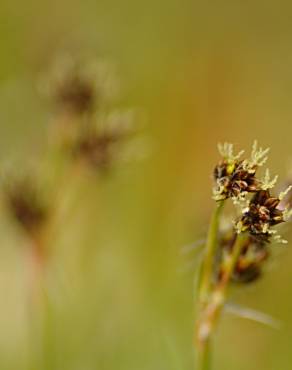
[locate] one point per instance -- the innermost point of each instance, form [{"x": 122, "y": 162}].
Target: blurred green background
[{"x": 122, "y": 292}]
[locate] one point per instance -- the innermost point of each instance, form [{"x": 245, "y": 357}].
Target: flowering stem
[
  {"x": 212, "y": 310},
  {"x": 210, "y": 249},
  {"x": 206, "y": 278}
]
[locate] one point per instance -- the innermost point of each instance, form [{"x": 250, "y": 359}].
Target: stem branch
[
  {"x": 210, "y": 249},
  {"x": 211, "y": 312}
]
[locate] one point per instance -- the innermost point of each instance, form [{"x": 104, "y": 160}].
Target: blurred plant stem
[
  {"x": 206, "y": 272},
  {"x": 39, "y": 253},
  {"x": 203, "y": 357},
  {"x": 67, "y": 180},
  {"x": 211, "y": 311},
  {"x": 40, "y": 308}
]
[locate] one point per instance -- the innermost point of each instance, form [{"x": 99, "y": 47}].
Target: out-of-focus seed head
[
  {"x": 97, "y": 150},
  {"x": 79, "y": 86},
  {"x": 249, "y": 265},
  {"x": 75, "y": 94},
  {"x": 101, "y": 146},
  {"x": 25, "y": 205}
]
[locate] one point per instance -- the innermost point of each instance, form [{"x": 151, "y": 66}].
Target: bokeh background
[{"x": 121, "y": 291}]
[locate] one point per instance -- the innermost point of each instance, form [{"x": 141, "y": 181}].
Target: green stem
[
  {"x": 205, "y": 283},
  {"x": 230, "y": 265},
  {"x": 210, "y": 249},
  {"x": 212, "y": 311},
  {"x": 203, "y": 357}
]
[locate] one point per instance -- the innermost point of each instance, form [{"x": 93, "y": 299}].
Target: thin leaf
[
  {"x": 251, "y": 314},
  {"x": 192, "y": 246}
]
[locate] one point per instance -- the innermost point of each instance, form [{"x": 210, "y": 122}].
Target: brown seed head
[
  {"x": 262, "y": 213},
  {"x": 232, "y": 179},
  {"x": 95, "y": 150},
  {"x": 25, "y": 206},
  {"x": 75, "y": 94}
]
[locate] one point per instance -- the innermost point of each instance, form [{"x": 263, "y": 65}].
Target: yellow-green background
[{"x": 201, "y": 72}]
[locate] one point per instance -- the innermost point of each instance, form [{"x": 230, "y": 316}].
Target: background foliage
[{"x": 121, "y": 289}]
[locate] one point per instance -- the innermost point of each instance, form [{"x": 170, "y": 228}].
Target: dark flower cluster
[
  {"x": 75, "y": 94},
  {"x": 233, "y": 179},
  {"x": 262, "y": 214},
  {"x": 86, "y": 127},
  {"x": 257, "y": 221},
  {"x": 25, "y": 205},
  {"x": 98, "y": 149},
  {"x": 74, "y": 85}
]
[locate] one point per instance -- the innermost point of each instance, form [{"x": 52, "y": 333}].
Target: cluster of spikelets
[
  {"x": 87, "y": 132},
  {"x": 259, "y": 210},
  {"x": 87, "y": 123},
  {"x": 237, "y": 251}
]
